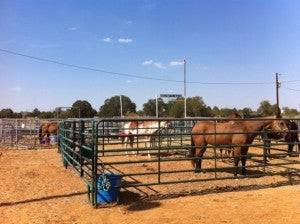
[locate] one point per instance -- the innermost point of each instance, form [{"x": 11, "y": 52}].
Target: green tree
[
  {"x": 225, "y": 112},
  {"x": 35, "y": 113},
  {"x": 290, "y": 112},
  {"x": 246, "y": 111},
  {"x": 85, "y": 108},
  {"x": 266, "y": 109},
  {"x": 149, "y": 108},
  {"x": 46, "y": 115},
  {"x": 195, "y": 107},
  {"x": 215, "y": 112},
  {"x": 6, "y": 113},
  {"x": 176, "y": 109},
  {"x": 111, "y": 107}
]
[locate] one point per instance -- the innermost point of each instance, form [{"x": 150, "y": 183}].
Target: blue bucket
[{"x": 107, "y": 188}]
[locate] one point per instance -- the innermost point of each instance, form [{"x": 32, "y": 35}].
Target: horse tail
[{"x": 192, "y": 151}]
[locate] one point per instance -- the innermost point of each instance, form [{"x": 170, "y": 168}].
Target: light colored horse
[{"x": 146, "y": 130}]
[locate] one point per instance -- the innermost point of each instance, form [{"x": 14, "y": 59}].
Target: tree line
[{"x": 195, "y": 107}]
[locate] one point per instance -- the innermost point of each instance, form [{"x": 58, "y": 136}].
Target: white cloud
[
  {"x": 72, "y": 28},
  {"x": 128, "y": 81},
  {"x": 16, "y": 89},
  {"x": 124, "y": 40},
  {"x": 107, "y": 39},
  {"x": 159, "y": 65},
  {"x": 149, "y": 62},
  {"x": 176, "y": 63}
]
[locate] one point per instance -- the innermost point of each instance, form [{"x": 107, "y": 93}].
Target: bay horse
[
  {"x": 203, "y": 133},
  {"x": 228, "y": 150},
  {"x": 291, "y": 138},
  {"x": 47, "y": 129}
]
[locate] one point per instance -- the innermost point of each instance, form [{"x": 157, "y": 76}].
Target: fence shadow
[
  {"x": 3, "y": 204},
  {"x": 136, "y": 202}
]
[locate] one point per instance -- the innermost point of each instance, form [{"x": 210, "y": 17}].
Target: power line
[
  {"x": 297, "y": 80},
  {"x": 135, "y": 76},
  {"x": 290, "y": 88}
]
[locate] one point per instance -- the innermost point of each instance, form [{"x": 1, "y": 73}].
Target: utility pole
[
  {"x": 277, "y": 95},
  {"x": 121, "y": 106},
  {"x": 184, "y": 63},
  {"x": 156, "y": 106}
]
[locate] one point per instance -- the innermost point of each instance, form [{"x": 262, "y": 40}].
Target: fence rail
[
  {"x": 21, "y": 133},
  {"x": 95, "y": 146}
]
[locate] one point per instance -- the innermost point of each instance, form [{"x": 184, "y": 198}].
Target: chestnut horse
[
  {"x": 47, "y": 128},
  {"x": 291, "y": 138},
  {"x": 203, "y": 133}
]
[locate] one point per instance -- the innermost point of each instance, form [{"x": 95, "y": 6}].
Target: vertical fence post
[
  {"x": 94, "y": 158},
  {"x": 16, "y": 142},
  {"x": 82, "y": 142},
  {"x": 265, "y": 148},
  {"x": 215, "y": 151},
  {"x": 103, "y": 138},
  {"x": 159, "y": 147}
]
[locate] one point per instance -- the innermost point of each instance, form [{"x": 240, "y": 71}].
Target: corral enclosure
[
  {"x": 22, "y": 133},
  {"x": 94, "y": 147}
]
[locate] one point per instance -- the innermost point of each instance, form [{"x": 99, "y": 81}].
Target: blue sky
[{"x": 223, "y": 41}]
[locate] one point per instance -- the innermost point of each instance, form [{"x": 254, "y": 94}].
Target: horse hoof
[{"x": 198, "y": 171}]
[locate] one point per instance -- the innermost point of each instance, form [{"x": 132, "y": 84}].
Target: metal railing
[
  {"x": 93, "y": 147},
  {"x": 21, "y": 133}
]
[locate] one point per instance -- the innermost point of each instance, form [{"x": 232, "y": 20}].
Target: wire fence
[{"x": 22, "y": 133}]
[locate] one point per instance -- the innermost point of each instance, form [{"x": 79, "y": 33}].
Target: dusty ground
[{"x": 35, "y": 188}]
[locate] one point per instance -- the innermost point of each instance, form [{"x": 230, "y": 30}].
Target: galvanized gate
[{"x": 93, "y": 147}]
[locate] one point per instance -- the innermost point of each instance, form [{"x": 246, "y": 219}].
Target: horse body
[
  {"x": 291, "y": 138},
  {"x": 146, "y": 129},
  {"x": 47, "y": 128},
  {"x": 235, "y": 133}
]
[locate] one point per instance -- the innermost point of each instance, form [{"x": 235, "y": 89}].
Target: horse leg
[
  {"x": 147, "y": 146},
  {"x": 268, "y": 149},
  {"x": 221, "y": 153},
  {"x": 236, "y": 153},
  {"x": 125, "y": 144},
  {"x": 243, "y": 159},
  {"x": 199, "y": 153}
]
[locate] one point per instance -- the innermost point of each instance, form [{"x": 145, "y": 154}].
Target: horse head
[{"x": 279, "y": 126}]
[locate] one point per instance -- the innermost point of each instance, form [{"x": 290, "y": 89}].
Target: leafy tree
[
  {"x": 18, "y": 115},
  {"x": 6, "y": 113},
  {"x": 35, "y": 112},
  {"x": 225, "y": 112},
  {"x": 46, "y": 114},
  {"x": 246, "y": 111},
  {"x": 266, "y": 109},
  {"x": 290, "y": 112},
  {"x": 195, "y": 107},
  {"x": 149, "y": 108},
  {"x": 176, "y": 109},
  {"x": 86, "y": 109},
  {"x": 215, "y": 111},
  {"x": 111, "y": 107}
]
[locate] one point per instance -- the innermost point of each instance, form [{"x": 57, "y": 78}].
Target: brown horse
[
  {"x": 203, "y": 133},
  {"x": 47, "y": 129}
]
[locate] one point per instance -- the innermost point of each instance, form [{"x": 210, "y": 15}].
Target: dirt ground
[{"x": 36, "y": 188}]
